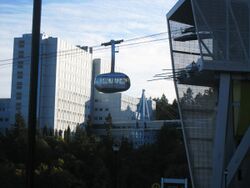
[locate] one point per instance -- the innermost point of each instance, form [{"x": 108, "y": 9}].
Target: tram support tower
[
  {"x": 112, "y": 43},
  {"x": 210, "y": 53}
]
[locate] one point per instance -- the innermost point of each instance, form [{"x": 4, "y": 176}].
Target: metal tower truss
[
  {"x": 143, "y": 111},
  {"x": 210, "y": 51}
]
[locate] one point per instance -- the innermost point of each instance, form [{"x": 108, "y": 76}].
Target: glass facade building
[{"x": 209, "y": 42}]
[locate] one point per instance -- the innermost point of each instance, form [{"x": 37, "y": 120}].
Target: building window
[
  {"x": 100, "y": 109},
  {"x": 96, "y": 100},
  {"x": 19, "y": 85},
  {"x": 19, "y": 74},
  {"x": 100, "y": 118},
  {"x": 1, "y": 119},
  {"x": 106, "y": 109},
  {"x": 95, "y": 118},
  {"x": 18, "y": 96},
  {"x": 20, "y": 64},
  {"x": 21, "y": 54},
  {"x": 6, "y": 119},
  {"x": 96, "y": 109},
  {"x": 18, "y": 106},
  {"x": 21, "y": 44}
]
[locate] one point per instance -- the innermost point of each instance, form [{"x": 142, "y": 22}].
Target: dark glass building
[{"x": 210, "y": 51}]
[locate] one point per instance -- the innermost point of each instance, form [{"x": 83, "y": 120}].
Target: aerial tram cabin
[{"x": 114, "y": 81}]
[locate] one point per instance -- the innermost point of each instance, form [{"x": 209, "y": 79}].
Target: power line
[
  {"x": 134, "y": 43},
  {"x": 65, "y": 51},
  {"x": 147, "y": 36},
  {"x": 44, "y": 54},
  {"x": 26, "y": 59},
  {"x": 99, "y": 47},
  {"x": 136, "y": 38},
  {"x": 143, "y": 42}
]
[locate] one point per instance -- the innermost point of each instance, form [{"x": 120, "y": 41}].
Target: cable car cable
[{"x": 54, "y": 54}]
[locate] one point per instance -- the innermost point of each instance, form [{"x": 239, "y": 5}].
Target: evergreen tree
[
  {"x": 19, "y": 126},
  {"x": 187, "y": 98},
  {"x": 89, "y": 125},
  {"x": 108, "y": 125},
  {"x": 67, "y": 134},
  {"x": 45, "y": 131},
  {"x": 164, "y": 110}
]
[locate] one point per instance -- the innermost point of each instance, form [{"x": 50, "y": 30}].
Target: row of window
[
  {"x": 2, "y": 109},
  {"x": 70, "y": 106},
  {"x": 4, "y": 119},
  {"x": 100, "y": 109},
  {"x": 72, "y": 96},
  {"x": 19, "y": 85},
  {"x": 20, "y": 64},
  {"x": 69, "y": 116},
  {"x": 98, "y": 118},
  {"x": 20, "y": 54},
  {"x": 63, "y": 124},
  {"x": 18, "y": 106},
  {"x": 19, "y": 74},
  {"x": 21, "y": 43},
  {"x": 18, "y": 96}
]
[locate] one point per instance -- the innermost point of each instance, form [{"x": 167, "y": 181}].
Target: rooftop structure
[{"x": 144, "y": 111}]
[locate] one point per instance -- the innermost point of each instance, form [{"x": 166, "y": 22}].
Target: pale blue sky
[{"x": 92, "y": 22}]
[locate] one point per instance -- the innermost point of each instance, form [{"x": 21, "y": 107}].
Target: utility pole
[
  {"x": 36, "y": 23},
  {"x": 112, "y": 43}
]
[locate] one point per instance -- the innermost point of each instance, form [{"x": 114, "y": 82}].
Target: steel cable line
[
  {"x": 99, "y": 47},
  {"x": 147, "y": 36},
  {"x": 133, "y": 44},
  {"x": 26, "y": 59},
  {"x": 103, "y": 50},
  {"x": 43, "y": 54},
  {"x": 71, "y": 50},
  {"x": 136, "y": 38}
]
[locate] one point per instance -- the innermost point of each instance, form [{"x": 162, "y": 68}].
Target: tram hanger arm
[{"x": 112, "y": 41}]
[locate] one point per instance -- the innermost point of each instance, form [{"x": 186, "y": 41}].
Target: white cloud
[{"x": 93, "y": 22}]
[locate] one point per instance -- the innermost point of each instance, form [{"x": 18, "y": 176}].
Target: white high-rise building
[
  {"x": 66, "y": 93},
  {"x": 64, "y": 87}
]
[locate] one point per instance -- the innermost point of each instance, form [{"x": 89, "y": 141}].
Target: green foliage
[
  {"x": 19, "y": 126},
  {"x": 80, "y": 161},
  {"x": 89, "y": 125},
  {"x": 164, "y": 110},
  {"x": 188, "y": 97},
  {"x": 67, "y": 135},
  {"x": 108, "y": 125}
]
